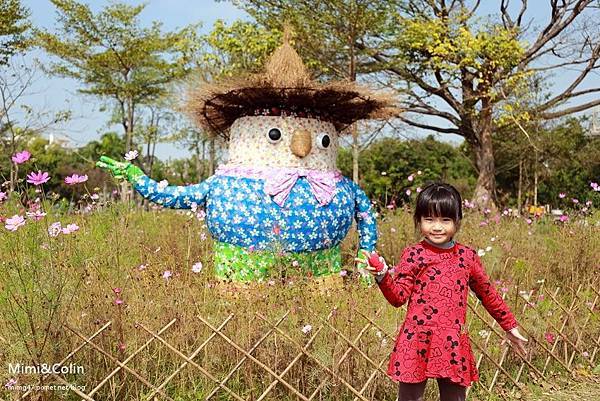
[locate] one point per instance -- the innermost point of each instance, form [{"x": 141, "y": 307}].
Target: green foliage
[
  {"x": 386, "y": 164},
  {"x": 565, "y": 159},
  {"x": 326, "y": 33},
  {"x": 241, "y": 47},
  {"x": 13, "y": 27}
]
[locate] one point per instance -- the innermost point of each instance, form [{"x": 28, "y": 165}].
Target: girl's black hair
[{"x": 438, "y": 200}]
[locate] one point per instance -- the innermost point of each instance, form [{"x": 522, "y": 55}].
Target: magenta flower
[
  {"x": 118, "y": 301},
  {"x": 595, "y": 186},
  {"x": 75, "y": 179},
  {"x": 13, "y": 223},
  {"x": 550, "y": 337},
  {"x": 562, "y": 195},
  {"x": 529, "y": 221},
  {"x": 38, "y": 178},
  {"x": 21, "y": 157},
  {"x": 411, "y": 178},
  {"x": 575, "y": 200},
  {"x": 117, "y": 290},
  {"x": 563, "y": 218},
  {"x": 3, "y": 196}
]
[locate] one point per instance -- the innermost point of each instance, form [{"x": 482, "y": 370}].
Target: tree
[
  {"x": 14, "y": 26},
  {"x": 115, "y": 58},
  {"x": 461, "y": 70},
  {"x": 330, "y": 35},
  {"x": 387, "y": 163}
]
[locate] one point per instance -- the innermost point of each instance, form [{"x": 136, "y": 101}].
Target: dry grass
[{"x": 50, "y": 282}]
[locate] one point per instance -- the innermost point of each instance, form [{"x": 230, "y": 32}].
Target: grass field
[{"x": 130, "y": 266}]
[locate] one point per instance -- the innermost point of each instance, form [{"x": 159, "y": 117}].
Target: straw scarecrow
[{"x": 279, "y": 195}]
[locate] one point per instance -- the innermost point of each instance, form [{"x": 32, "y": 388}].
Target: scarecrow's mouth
[{"x": 301, "y": 143}]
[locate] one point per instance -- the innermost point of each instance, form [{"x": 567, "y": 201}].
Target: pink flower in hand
[
  {"x": 38, "y": 178},
  {"x": 21, "y": 157},
  {"x": 75, "y": 179}
]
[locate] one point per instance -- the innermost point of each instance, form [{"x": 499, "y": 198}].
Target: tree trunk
[
  {"x": 212, "y": 156},
  {"x": 485, "y": 190},
  {"x": 355, "y": 153}
]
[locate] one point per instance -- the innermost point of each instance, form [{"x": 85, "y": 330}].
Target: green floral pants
[{"x": 237, "y": 263}]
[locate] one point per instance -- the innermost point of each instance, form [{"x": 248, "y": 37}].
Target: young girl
[{"x": 435, "y": 276}]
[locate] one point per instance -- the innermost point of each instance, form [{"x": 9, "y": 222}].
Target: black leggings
[{"x": 449, "y": 391}]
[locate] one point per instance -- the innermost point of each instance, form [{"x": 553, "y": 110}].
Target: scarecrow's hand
[{"x": 120, "y": 169}]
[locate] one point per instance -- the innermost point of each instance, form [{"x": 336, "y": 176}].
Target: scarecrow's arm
[
  {"x": 365, "y": 219},
  {"x": 172, "y": 196}
]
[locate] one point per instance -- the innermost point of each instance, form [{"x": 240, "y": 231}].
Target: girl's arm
[
  {"x": 396, "y": 289},
  {"x": 480, "y": 283}
]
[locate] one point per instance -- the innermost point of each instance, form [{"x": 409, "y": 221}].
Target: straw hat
[{"x": 285, "y": 88}]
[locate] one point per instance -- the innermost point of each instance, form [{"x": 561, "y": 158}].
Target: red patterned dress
[{"x": 433, "y": 341}]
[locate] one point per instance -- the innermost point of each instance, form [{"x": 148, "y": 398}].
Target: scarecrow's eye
[
  {"x": 274, "y": 135},
  {"x": 323, "y": 140}
]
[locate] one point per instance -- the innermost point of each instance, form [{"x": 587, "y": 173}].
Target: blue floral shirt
[{"x": 239, "y": 212}]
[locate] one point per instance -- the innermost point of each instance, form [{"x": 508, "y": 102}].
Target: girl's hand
[
  {"x": 517, "y": 340},
  {"x": 375, "y": 264}
]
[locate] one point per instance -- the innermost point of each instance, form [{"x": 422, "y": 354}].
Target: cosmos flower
[
  {"x": 38, "y": 178},
  {"x": 408, "y": 192},
  {"x": 132, "y": 154},
  {"x": 55, "y": 229},
  {"x": 550, "y": 337},
  {"x": 75, "y": 179},
  {"x": 411, "y": 178},
  {"x": 36, "y": 215},
  {"x": 21, "y": 157},
  {"x": 167, "y": 274},
  {"x": 197, "y": 267},
  {"x": 70, "y": 228},
  {"x": 3, "y": 196},
  {"x": 562, "y": 195},
  {"x": 13, "y": 223},
  {"x": 563, "y": 218},
  {"x": 307, "y": 329}
]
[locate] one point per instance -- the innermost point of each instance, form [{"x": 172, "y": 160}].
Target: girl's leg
[
  {"x": 450, "y": 391},
  {"x": 411, "y": 391}
]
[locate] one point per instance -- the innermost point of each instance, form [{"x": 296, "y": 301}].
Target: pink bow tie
[{"x": 322, "y": 184}]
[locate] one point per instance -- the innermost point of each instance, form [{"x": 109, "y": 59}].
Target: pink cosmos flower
[
  {"x": 75, "y": 179},
  {"x": 70, "y": 228},
  {"x": 55, "y": 229},
  {"x": 550, "y": 337},
  {"x": 343, "y": 273},
  {"x": 118, "y": 301},
  {"x": 411, "y": 178},
  {"x": 595, "y": 186},
  {"x": 197, "y": 267},
  {"x": 418, "y": 189},
  {"x": 3, "y": 196},
  {"x": 11, "y": 383},
  {"x": 562, "y": 195},
  {"x": 36, "y": 215},
  {"x": 117, "y": 290},
  {"x": 38, "y": 178},
  {"x": 529, "y": 221},
  {"x": 21, "y": 157},
  {"x": 408, "y": 192},
  {"x": 167, "y": 274},
  {"x": 575, "y": 200},
  {"x": 13, "y": 223},
  {"x": 563, "y": 218},
  {"x": 295, "y": 263}
]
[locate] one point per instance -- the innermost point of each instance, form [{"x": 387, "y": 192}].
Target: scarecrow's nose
[{"x": 301, "y": 143}]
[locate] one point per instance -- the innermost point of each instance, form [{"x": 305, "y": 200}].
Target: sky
[{"x": 89, "y": 122}]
